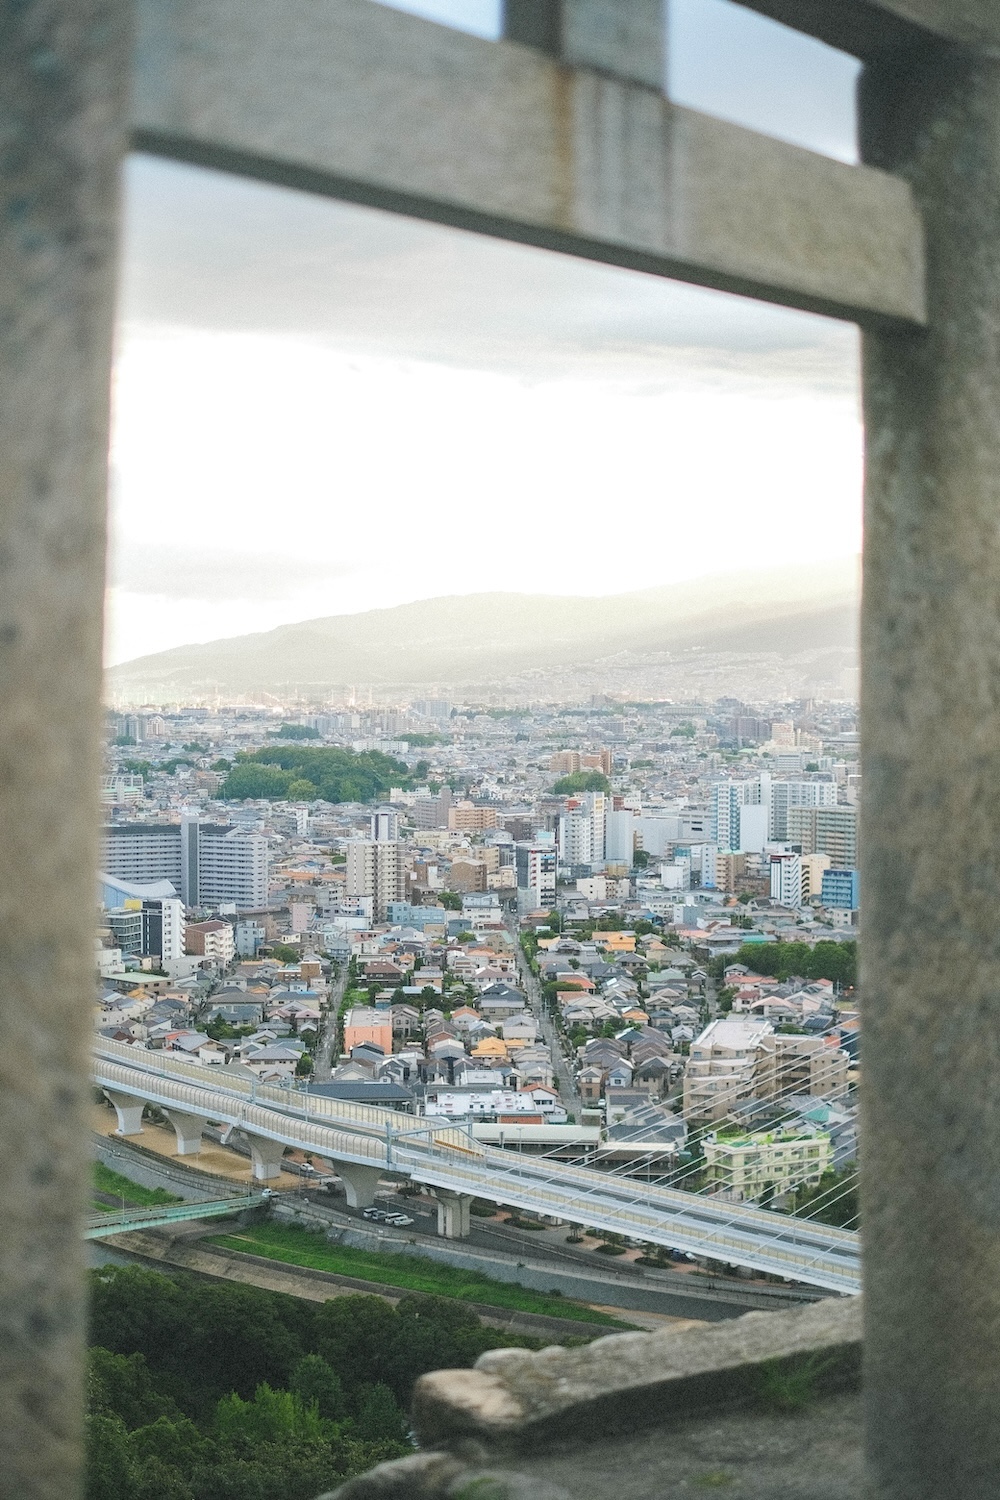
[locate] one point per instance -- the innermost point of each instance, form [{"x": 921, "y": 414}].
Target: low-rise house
[
  {"x": 197, "y": 1046},
  {"x": 405, "y": 1020},
  {"x": 274, "y": 1062},
  {"x": 590, "y": 1083}
]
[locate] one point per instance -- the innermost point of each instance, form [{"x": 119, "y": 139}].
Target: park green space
[{"x": 303, "y": 1247}]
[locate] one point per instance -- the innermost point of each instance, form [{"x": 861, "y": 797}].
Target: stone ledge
[
  {"x": 514, "y": 1399},
  {"x": 756, "y": 1405}
]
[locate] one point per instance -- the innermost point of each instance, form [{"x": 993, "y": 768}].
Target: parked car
[
  {"x": 398, "y": 1219},
  {"x": 378, "y": 1214}
]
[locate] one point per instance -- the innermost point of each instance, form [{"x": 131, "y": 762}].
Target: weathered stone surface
[
  {"x": 424, "y": 1476},
  {"x": 358, "y": 102},
  {"x": 811, "y": 1451},
  {"x": 514, "y": 1397},
  {"x": 437, "y": 1476},
  {"x": 930, "y": 729},
  {"x": 63, "y": 80}
]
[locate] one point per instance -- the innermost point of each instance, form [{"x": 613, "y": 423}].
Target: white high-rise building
[
  {"x": 376, "y": 871},
  {"x": 232, "y": 868},
  {"x": 536, "y": 872},
  {"x": 583, "y": 831},
  {"x": 786, "y": 794},
  {"x": 727, "y": 801},
  {"x": 619, "y": 836},
  {"x": 385, "y": 825},
  {"x": 786, "y": 879},
  {"x": 210, "y": 864}
]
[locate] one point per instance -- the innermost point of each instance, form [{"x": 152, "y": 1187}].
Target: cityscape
[
  {"x": 485, "y": 483},
  {"x": 621, "y": 935}
]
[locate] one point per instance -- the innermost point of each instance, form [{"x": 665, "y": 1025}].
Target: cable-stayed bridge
[{"x": 368, "y": 1143}]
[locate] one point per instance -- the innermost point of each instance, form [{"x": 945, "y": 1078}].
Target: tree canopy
[
  {"x": 310, "y": 771},
  {"x": 581, "y": 781},
  {"x": 293, "y": 732},
  {"x": 215, "y": 1391},
  {"x": 837, "y": 962}
]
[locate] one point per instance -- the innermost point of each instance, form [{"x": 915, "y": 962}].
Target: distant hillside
[{"x": 481, "y": 638}]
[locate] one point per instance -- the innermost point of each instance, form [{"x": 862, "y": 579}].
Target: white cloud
[{"x": 301, "y": 481}]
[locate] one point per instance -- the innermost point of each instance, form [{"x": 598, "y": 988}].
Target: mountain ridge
[{"x": 473, "y": 638}]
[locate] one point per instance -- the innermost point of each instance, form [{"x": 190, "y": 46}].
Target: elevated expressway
[{"x": 368, "y": 1143}]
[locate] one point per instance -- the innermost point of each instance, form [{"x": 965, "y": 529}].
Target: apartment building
[
  {"x": 566, "y": 762},
  {"x": 841, "y": 889},
  {"x": 826, "y": 830},
  {"x": 214, "y": 940},
  {"x": 814, "y": 867},
  {"x": 536, "y": 873},
  {"x": 208, "y": 864},
  {"x": 788, "y": 794},
  {"x": 432, "y": 812},
  {"x": 788, "y": 1064},
  {"x": 721, "y": 1066},
  {"x": 786, "y": 879},
  {"x": 745, "y": 1166},
  {"x": 231, "y": 867},
  {"x": 150, "y": 928},
  {"x": 583, "y": 830},
  {"x": 375, "y": 871},
  {"x": 602, "y": 761},
  {"x": 466, "y": 817}
]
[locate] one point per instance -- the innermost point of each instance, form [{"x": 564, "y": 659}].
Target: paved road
[
  {"x": 323, "y": 1061},
  {"x": 550, "y": 1035}
]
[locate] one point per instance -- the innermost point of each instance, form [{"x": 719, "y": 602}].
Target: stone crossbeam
[
  {"x": 871, "y": 28},
  {"x": 358, "y": 102}
]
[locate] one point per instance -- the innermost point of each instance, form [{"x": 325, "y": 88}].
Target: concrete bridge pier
[
  {"x": 188, "y": 1129},
  {"x": 453, "y": 1215},
  {"x": 359, "y": 1183},
  {"x": 265, "y": 1156},
  {"x": 129, "y": 1111}
]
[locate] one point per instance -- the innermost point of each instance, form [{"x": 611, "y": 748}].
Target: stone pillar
[
  {"x": 359, "y": 1182},
  {"x": 266, "y": 1157},
  {"x": 931, "y": 802},
  {"x": 129, "y": 1111},
  {"x": 63, "y": 70},
  {"x": 453, "y": 1215},
  {"x": 188, "y": 1129},
  {"x": 626, "y": 40}
]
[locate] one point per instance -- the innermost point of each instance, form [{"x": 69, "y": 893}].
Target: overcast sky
[{"x": 321, "y": 408}]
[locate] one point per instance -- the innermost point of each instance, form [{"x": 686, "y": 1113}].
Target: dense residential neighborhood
[{"x": 624, "y": 935}]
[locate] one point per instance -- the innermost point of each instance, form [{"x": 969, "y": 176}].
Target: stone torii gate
[{"x": 558, "y": 136}]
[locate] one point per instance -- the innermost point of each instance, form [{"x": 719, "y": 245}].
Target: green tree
[
  {"x": 380, "y": 1416},
  {"x": 249, "y": 782},
  {"x": 302, "y": 790},
  {"x": 318, "y": 1384},
  {"x": 304, "y": 1066},
  {"x": 284, "y": 953},
  {"x": 338, "y": 775},
  {"x": 121, "y": 1385},
  {"x": 269, "y": 1417},
  {"x": 581, "y": 781},
  {"x": 450, "y": 900},
  {"x": 294, "y": 732},
  {"x": 837, "y": 962},
  {"x": 109, "y": 1469}
]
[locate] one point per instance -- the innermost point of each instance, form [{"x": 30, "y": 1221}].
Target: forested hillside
[{"x": 209, "y": 1391}]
